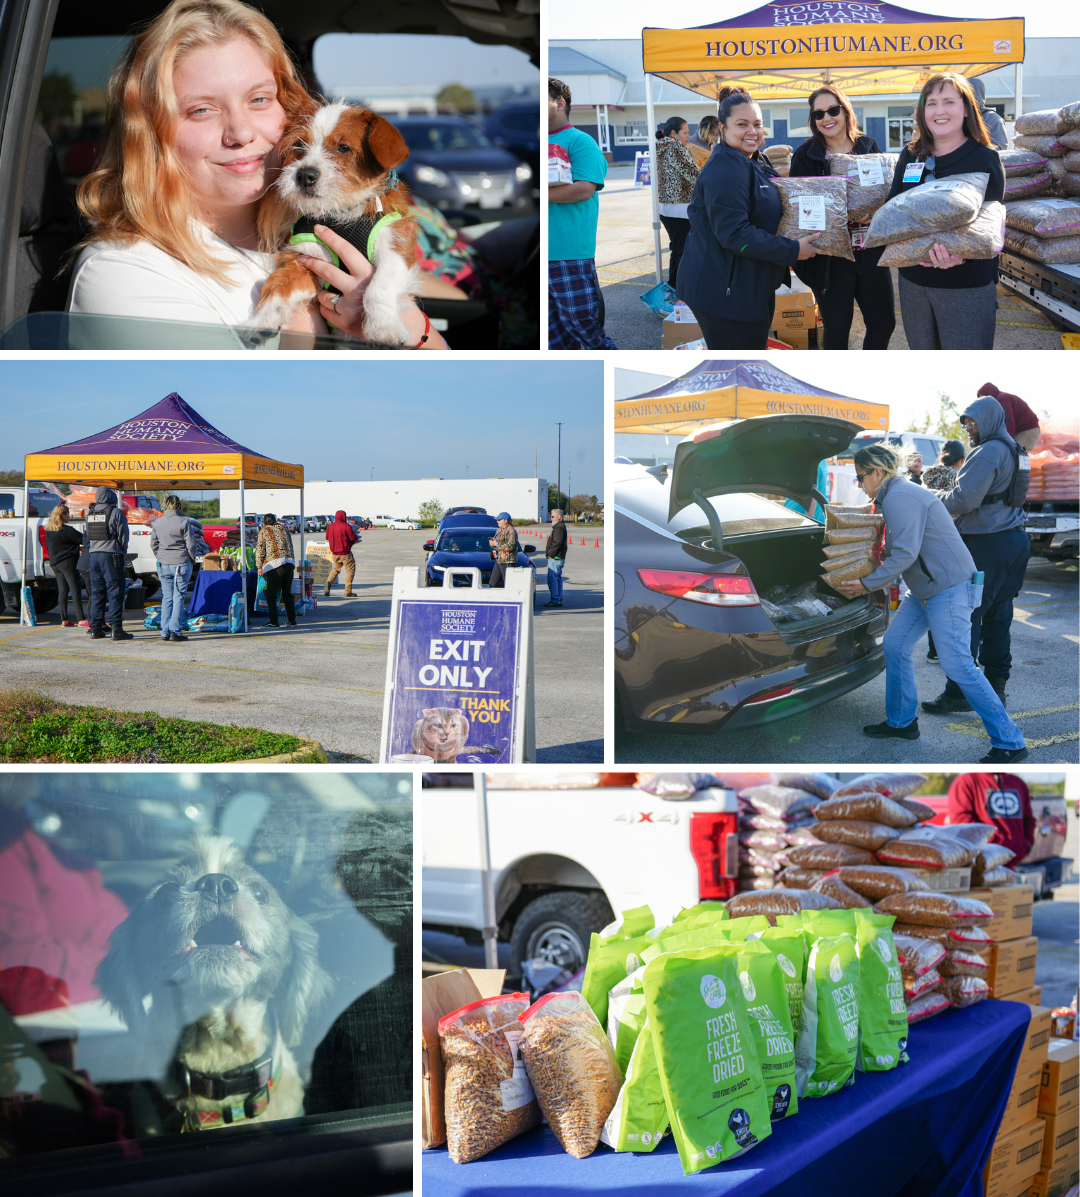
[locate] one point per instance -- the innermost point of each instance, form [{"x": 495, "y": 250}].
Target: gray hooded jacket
[
  {"x": 115, "y": 524},
  {"x": 176, "y": 539},
  {"x": 918, "y": 526},
  {"x": 987, "y": 470}
]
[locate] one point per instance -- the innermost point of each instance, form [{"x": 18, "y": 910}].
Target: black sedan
[
  {"x": 721, "y": 618},
  {"x": 516, "y": 127},
  {"x": 452, "y": 165}
]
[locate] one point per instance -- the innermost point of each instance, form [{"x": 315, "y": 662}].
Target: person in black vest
[
  {"x": 733, "y": 260},
  {"x": 838, "y": 285},
  {"x": 106, "y": 539}
]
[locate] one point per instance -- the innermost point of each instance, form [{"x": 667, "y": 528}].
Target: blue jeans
[
  {"x": 948, "y": 617},
  {"x": 106, "y": 578},
  {"x": 554, "y": 578},
  {"x": 174, "y": 582}
]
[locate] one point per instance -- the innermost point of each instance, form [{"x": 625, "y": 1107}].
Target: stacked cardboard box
[
  {"x": 795, "y": 319},
  {"x": 1059, "y": 1110},
  {"x": 1013, "y": 955}
]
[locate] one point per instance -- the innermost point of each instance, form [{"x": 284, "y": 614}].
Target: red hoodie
[
  {"x": 1018, "y": 416},
  {"x": 339, "y": 535},
  {"x": 999, "y": 799}
]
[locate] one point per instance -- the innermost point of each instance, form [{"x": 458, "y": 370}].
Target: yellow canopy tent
[
  {"x": 167, "y": 447},
  {"x": 729, "y": 390},
  {"x": 783, "y": 51}
]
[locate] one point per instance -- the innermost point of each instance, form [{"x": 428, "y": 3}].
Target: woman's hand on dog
[{"x": 349, "y": 314}]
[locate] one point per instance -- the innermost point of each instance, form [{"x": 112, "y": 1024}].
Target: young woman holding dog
[
  {"x": 838, "y": 284},
  {"x": 733, "y": 260},
  {"x": 197, "y": 105}
]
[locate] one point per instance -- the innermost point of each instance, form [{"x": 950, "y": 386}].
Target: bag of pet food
[
  {"x": 1046, "y": 122},
  {"x": 976, "y": 835},
  {"x": 852, "y": 517},
  {"x": 873, "y": 806},
  {"x": 1070, "y": 114},
  {"x": 706, "y": 1055},
  {"x": 1048, "y": 146},
  {"x": 832, "y": 887},
  {"x": 762, "y": 982},
  {"x": 981, "y": 239},
  {"x": 850, "y": 536},
  {"x": 995, "y": 878},
  {"x": 929, "y": 208},
  {"x": 961, "y": 963},
  {"x": 676, "y": 786},
  {"x": 965, "y": 991},
  {"x": 705, "y": 935},
  {"x": 1022, "y": 162},
  {"x": 1070, "y": 140},
  {"x": 816, "y": 205},
  {"x": 236, "y": 612},
  {"x": 488, "y": 1097},
  {"x": 1054, "y": 251},
  {"x": 862, "y": 567},
  {"x": 782, "y": 802},
  {"x": 732, "y": 928},
  {"x": 827, "y": 1046},
  {"x": 992, "y": 856},
  {"x": 892, "y": 785},
  {"x": 883, "y": 1026},
  {"x": 771, "y": 902},
  {"x": 821, "y": 785},
  {"x": 795, "y": 878},
  {"x": 934, "y": 910},
  {"x": 789, "y": 946},
  {"x": 639, "y": 1117},
  {"x": 626, "y": 1016},
  {"x": 856, "y": 833},
  {"x": 869, "y": 179},
  {"x": 630, "y": 923},
  {"x": 878, "y": 881},
  {"x": 969, "y": 936},
  {"x": 1069, "y": 185},
  {"x": 927, "y": 1006},
  {"x": 829, "y": 856},
  {"x": 716, "y": 908},
  {"x": 920, "y": 810},
  {"x": 1048, "y": 218},
  {"x": 607, "y": 964},
  {"x": 916, "y": 954},
  {"x": 571, "y": 1067},
  {"x": 755, "y": 822},
  {"x": 1028, "y": 186},
  {"x": 938, "y": 935},
  {"x": 927, "y": 847},
  {"x": 916, "y": 986}
]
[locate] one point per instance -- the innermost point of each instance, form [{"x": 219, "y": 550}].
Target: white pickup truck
[
  {"x": 564, "y": 861},
  {"x": 39, "y": 573}
]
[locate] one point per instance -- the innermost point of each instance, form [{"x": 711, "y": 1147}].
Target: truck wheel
[
  {"x": 557, "y": 927},
  {"x": 45, "y": 596}
]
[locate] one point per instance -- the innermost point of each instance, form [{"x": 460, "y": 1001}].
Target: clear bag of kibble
[
  {"x": 982, "y": 239},
  {"x": 488, "y": 1097},
  {"x": 928, "y": 208},
  {"x": 816, "y": 205},
  {"x": 572, "y": 1069},
  {"x": 869, "y": 180}
]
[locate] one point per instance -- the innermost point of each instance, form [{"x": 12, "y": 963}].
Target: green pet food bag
[
  {"x": 828, "y": 1042},
  {"x": 626, "y": 1017},
  {"x": 718, "y": 909},
  {"x": 789, "y": 948},
  {"x": 883, "y": 1024},
  {"x": 766, "y": 996},
  {"x": 706, "y": 1055},
  {"x": 609, "y": 963},
  {"x": 640, "y": 1117},
  {"x": 633, "y": 922}
]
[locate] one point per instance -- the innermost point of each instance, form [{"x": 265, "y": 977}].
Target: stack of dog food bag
[
  {"x": 1055, "y": 459},
  {"x": 780, "y": 157},
  {"x": 1042, "y": 186},
  {"x": 851, "y": 539},
  {"x": 773, "y": 819}
]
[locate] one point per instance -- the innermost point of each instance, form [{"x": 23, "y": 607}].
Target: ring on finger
[{"x": 334, "y": 301}]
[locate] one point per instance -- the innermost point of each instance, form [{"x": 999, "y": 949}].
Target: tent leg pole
[
  {"x": 1018, "y": 87},
  {"x": 243, "y": 553},
  {"x": 303, "y": 574},
  {"x": 654, "y": 184},
  {"x": 23, "y": 617},
  {"x": 487, "y": 886}
]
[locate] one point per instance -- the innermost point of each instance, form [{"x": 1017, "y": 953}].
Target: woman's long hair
[
  {"x": 853, "y": 130},
  {"x": 55, "y": 519},
  {"x": 138, "y": 190},
  {"x": 889, "y": 459},
  {"x": 922, "y": 141},
  {"x": 671, "y": 126}
]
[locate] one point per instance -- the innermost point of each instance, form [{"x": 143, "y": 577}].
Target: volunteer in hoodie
[
  {"x": 105, "y": 540},
  {"x": 341, "y": 538},
  {"x": 994, "y": 535}
]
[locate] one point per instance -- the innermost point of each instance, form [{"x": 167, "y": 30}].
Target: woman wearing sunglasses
[
  {"x": 923, "y": 546},
  {"x": 947, "y": 302},
  {"x": 838, "y": 284},
  {"x": 733, "y": 260}
]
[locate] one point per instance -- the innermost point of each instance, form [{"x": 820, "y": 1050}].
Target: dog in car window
[{"x": 212, "y": 967}]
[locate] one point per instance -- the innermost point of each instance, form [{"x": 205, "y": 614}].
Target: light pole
[
  {"x": 569, "y": 493},
  {"x": 466, "y": 472},
  {"x": 558, "y": 477},
  {"x": 372, "y": 478}
]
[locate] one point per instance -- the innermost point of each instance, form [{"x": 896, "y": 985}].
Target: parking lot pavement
[
  {"x": 325, "y": 678},
  {"x": 1042, "y": 697},
  {"x": 625, "y": 265}
]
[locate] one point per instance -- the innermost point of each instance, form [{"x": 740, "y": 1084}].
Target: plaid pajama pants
[{"x": 575, "y": 319}]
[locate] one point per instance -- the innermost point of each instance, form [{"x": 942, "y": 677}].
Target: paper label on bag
[
  {"x": 858, "y": 236},
  {"x": 913, "y": 172},
  {"x": 1058, "y": 203},
  {"x": 811, "y": 212},
  {"x": 870, "y": 172},
  {"x": 517, "y": 1091}
]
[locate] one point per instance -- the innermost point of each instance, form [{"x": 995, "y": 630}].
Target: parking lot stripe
[
  {"x": 974, "y": 727},
  {"x": 32, "y": 632}
]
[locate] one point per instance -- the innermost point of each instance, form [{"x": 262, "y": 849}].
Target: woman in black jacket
[
  {"x": 838, "y": 284},
  {"x": 63, "y": 544},
  {"x": 734, "y": 261},
  {"x": 949, "y": 303}
]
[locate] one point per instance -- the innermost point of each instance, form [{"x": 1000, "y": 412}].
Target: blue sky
[{"x": 407, "y": 419}]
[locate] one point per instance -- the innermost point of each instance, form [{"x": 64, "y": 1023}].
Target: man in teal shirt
[{"x": 575, "y": 312}]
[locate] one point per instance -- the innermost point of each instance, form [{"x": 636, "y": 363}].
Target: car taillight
[
  {"x": 714, "y": 843},
  {"x": 718, "y": 590}
]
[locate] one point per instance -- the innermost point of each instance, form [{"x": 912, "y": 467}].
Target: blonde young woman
[
  {"x": 196, "y": 107},
  {"x": 64, "y": 544}
]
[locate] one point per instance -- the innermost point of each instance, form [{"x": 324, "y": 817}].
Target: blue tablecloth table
[
  {"x": 923, "y": 1130},
  {"x": 213, "y": 589}
]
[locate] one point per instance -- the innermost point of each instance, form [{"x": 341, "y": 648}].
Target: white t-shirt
[{"x": 144, "y": 281}]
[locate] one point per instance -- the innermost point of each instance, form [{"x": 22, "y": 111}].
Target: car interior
[{"x": 43, "y": 158}]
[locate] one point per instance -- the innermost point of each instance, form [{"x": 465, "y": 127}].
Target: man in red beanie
[
  {"x": 341, "y": 538},
  {"x": 1021, "y": 423}
]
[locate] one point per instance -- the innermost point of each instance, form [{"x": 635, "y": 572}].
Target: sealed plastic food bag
[
  {"x": 869, "y": 178},
  {"x": 882, "y": 1011},
  {"x": 1046, "y": 122},
  {"x": 829, "y": 856},
  {"x": 771, "y": 902},
  {"x": 927, "y": 847},
  {"x": 856, "y": 833},
  {"x": 917, "y": 955},
  {"x": 861, "y": 567},
  {"x": 763, "y": 988},
  {"x": 959, "y": 963},
  {"x": 609, "y": 963},
  {"x": 832, "y": 887},
  {"x": 795, "y": 878},
  {"x": 827, "y": 1046},
  {"x": 782, "y": 802},
  {"x": 1021, "y": 162},
  {"x": 706, "y": 1055},
  {"x": 996, "y": 877},
  {"x": 639, "y": 1117},
  {"x": 1054, "y": 251},
  {"x": 892, "y": 785},
  {"x": 788, "y": 945},
  {"x": 631, "y": 923},
  {"x": 1048, "y": 145},
  {"x": 875, "y": 807},
  {"x": 978, "y": 835},
  {"x": 488, "y": 1097},
  {"x": 675, "y": 786},
  {"x": 920, "y": 810},
  {"x": 927, "y": 1006},
  {"x": 1028, "y": 186},
  {"x": 939, "y": 935},
  {"x": 970, "y": 936},
  {"x": 821, "y": 785},
  {"x": 934, "y": 910},
  {"x": 980, "y": 239},
  {"x": 718, "y": 909},
  {"x": 916, "y": 986},
  {"x": 965, "y": 991},
  {"x": 878, "y": 881},
  {"x": 572, "y": 1069},
  {"x": 816, "y": 205},
  {"x": 933, "y": 207},
  {"x": 626, "y": 1017},
  {"x": 852, "y": 517},
  {"x": 993, "y": 856}
]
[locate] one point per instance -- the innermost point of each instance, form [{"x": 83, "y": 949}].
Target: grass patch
[{"x": 36, "y": 730}]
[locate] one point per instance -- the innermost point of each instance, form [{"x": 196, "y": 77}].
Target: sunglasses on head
[{"x": 818, "y": 114}]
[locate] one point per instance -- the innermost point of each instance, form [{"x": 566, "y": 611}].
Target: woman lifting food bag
[
  {"x": 950, "y": 302},
  {"x": 923, "y": 545}
]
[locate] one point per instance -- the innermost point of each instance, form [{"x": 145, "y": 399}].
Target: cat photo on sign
[{"x": 443, "y": 732}]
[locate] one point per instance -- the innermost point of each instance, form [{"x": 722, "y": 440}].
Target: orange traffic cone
[{"x": 597, "y": 545}]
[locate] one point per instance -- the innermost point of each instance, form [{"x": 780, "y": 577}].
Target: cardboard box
[
  {"x": 797, "y": 338},
  {"x": 212, "y": 561},
  {"x": 946, "y": 881},
  {"x": 1059, "y": 1093},
  {"x": 795, "y": 310},
  {"x": 1014, "y": 1160},
  {"x": 1027, "y": 1081},
  {"x": 1012, "y": 906},
  {"x": 1012, "y": 965},
  {"x": 1061, "y": 1147},
  {"x": 1033, "y": 996},
  {"x": 441, "y": 995},
  {"x": 1056, "y": 1181},
  {"x": 1037, "y": 1042},
  {"x": 677, "y": 332}
]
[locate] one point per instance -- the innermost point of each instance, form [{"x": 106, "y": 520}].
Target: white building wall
[{"x": 524, "y": 498}]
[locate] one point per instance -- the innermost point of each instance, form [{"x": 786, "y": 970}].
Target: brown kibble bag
[
  {"x": 967, "y": 935},
  {"x": 916, "y": 986},
  {"x": 832, "y": 887},
  {"x": 795, "y": 878},
  {"x": 934, "y": 910},
  {"x": 940, "y": 935},
  {"x": 1053, "y": 251},
  {"x": 869, "y": 180},
  {"x": 829, "y": 856},
  {"x": 1044, "y": 218},
  {"x": 816, "y": 205},
  {"x": 1070, "y": 114},
  {"x": 1047, "y": 121},
  {"x": 876, "y": 807},
  {"x": 964, "y": 991},
  {"x": 960, "y": 963},
  {"x": 928, "y": 847},
  {"x": 850, "y": 535},
  {"x": 997, "y": 877},
  {"x": 851, "y": 517},
  {"x": 1022, "y": 162},
  {"x": 1070, "y": 184},
  {"x": 821, "y": 785},
  {"x": 779, "y": 901},
  {"x": 878, "y": 881},
  {"x": 977, "y": 241},
  {"x": 782, "y": 802},
  {"x": 927, "y": 1006},
  {"x": 920, "y": 810},
  {"x": 488, "y": 1097},
  {"x": 992, "y": 856},
  {"x": 1028, "y": 186},
  {"x": 916, "y": 955},
  {"x": 929, "y": 208},
  {"x": 840, "y": 552},
  {"x": 572, "y": 1069},
  {"x": 892, "y": 785},
  {"x": 1047, "y": 146},
  {"x": 859, "y": 833}
]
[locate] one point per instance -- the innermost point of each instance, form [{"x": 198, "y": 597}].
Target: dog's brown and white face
[{"x": 212, "y": 936}]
